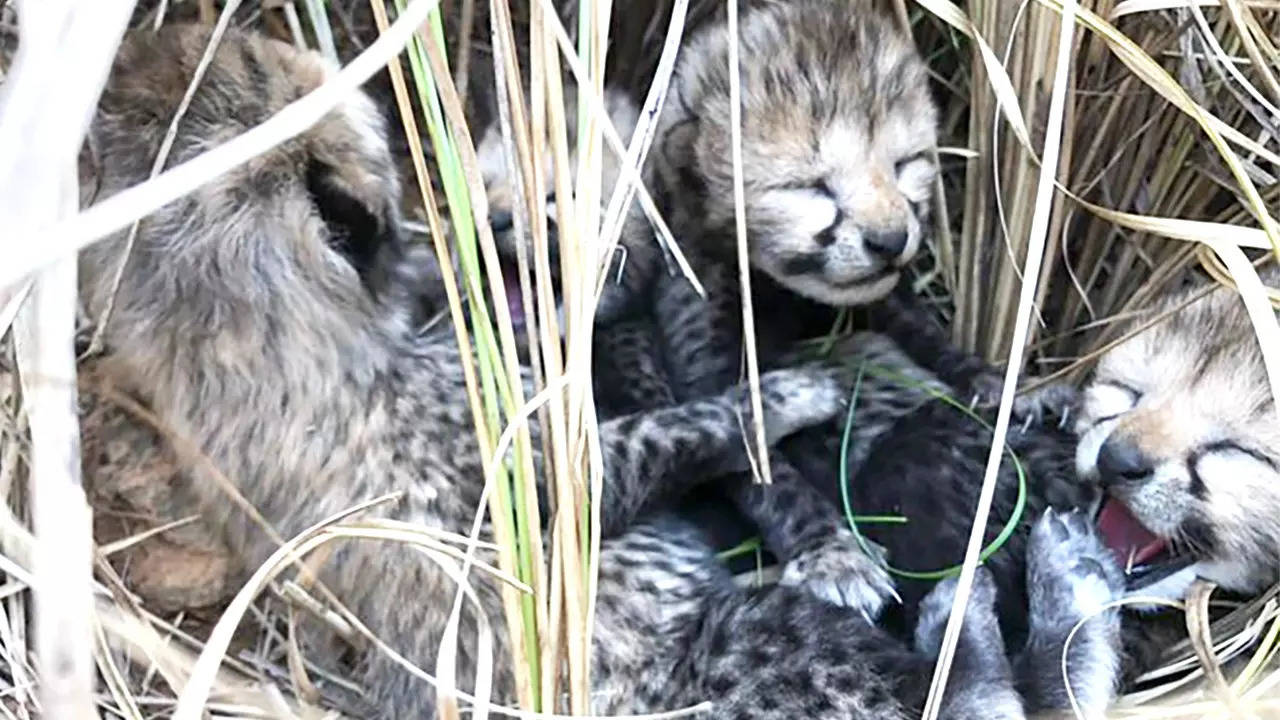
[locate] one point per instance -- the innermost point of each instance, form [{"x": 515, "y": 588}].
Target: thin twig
[
  {"x": 70, "y": 44},
  {"x": 761, "y": 462}
]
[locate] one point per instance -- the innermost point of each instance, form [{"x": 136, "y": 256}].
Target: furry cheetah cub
[
  {"x": 1178, "y": 426},
  {"x": 909, "y": 454},
  {"x": 837, "y": 134},
  {"x": 629, "y": 373}
]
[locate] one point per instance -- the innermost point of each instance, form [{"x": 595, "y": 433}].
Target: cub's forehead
[{"x": 1204, "y": 353}]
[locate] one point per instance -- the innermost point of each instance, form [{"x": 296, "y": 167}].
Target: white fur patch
[
  {"x": 915, "y": 179},
  {"x": 1088, "y": 447},
  {"x": 1089, "y": 595},
  {"x": 363, "y": 115},
  {"x": 1106, "y": 400},
  {"x": 1172, "y": 588},
  {"x": 812, "y": 211}
]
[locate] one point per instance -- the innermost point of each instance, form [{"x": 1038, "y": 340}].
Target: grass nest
[{"x": 1162, "y": 126}]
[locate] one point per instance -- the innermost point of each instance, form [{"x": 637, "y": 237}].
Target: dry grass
[{"x": 1101, "y": 179}]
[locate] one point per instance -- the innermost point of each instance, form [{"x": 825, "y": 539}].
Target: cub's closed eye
[
  {"x": 1134, "y": 392},
  {"x": 901, "y": 165},
  {"x": 1105, "y": 400},
  {"x": 1223, "y": 447},
  {"x": 822, "y": 188}
]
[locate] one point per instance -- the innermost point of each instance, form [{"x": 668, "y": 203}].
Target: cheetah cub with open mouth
[{"x": 1178, "y": 426}]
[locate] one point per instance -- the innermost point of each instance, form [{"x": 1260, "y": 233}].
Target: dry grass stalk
[
  {"x": 543, "y": 335},
  {"x": 40, "y": 137},
  {"x": 982, "y": 194},
  {"x": 195, "y": 692},
  {"x": 11, "y": 300},
  {"x": 63, "y": 553},
  {"x": 760, "y": 461},
  {"x": 1197, "y": 613},
  {"x": 630, "y": 171},
  {"x": 513, "y": 398},
  {"x": 1139, "y": 158}
]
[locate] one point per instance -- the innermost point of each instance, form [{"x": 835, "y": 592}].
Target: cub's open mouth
[
  {"x": 1146, "y": 557},
  {"x": 515, "y": 302}
]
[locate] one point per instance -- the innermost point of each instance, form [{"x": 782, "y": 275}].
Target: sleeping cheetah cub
[
  {"x": 911, "y": 455},
  {"x": 258, "y": 320},
  {"x": 634, "y": 263},
  {"x": 823, "y": 556},
  {"x": 1178, "y": 426},
  {"x": 838, "y": 131}
]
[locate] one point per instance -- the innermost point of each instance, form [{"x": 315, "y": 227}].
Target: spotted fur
[
  {"x": 632, "y": 372},
  {"x": 778, "y": 654},
  {"x": 912, "y": 455}
]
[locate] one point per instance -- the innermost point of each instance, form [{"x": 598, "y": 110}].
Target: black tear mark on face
[
  {"x": 370, "y": 242},
  {"x": 804, "y": 264},
  {"x": 1199, "y": 537}
]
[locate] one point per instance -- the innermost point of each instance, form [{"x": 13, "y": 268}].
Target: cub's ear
[{"x": 369, "y": 238}]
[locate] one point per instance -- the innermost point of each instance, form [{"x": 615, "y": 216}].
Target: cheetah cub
[
  {"x": 909, "y": 454},
  {"x": 838, "y": 132},
  {"x": 1178, "y": 427},
  {"x": 629, "y": 375},
  {"x": 632, "y": 266}
]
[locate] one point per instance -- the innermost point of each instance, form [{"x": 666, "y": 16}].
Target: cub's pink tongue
[
  {"x": 515, "y": 302},
  {"x": 1132, "y": 543}
]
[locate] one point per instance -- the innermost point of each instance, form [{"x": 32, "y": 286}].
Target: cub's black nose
[
  {"x": 1120, "y": 461},
  {"x": 886, "y": 245}
]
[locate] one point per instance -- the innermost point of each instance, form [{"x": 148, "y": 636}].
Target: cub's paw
[
  {"x": 1054, "y": 401},
  {"x": 1071, "y": 574},
  {"x": 935, "y": 608},
  {"x": 796, "y": 398},
  {"x": 1072, "y": 578},
  {"x": 838, "y": 570},
  {"x": 985, "y": 387}
]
